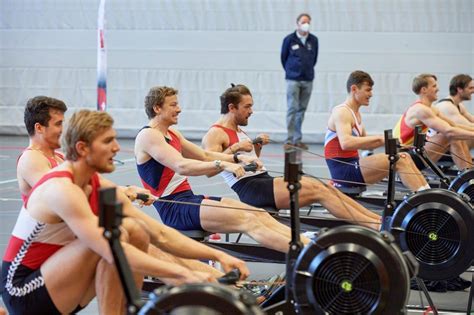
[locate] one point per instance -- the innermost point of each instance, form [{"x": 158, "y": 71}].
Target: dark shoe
[
  {"x": 432, "y": 286},
  {"x": 302, "y": 146},
  {"x": 437, "y": 286},
  {"x": 465, "y": 284},
  {"x": 458, "y": 284}
]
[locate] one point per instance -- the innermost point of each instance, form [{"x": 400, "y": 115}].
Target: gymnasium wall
[{"x": 49, "y": 48}]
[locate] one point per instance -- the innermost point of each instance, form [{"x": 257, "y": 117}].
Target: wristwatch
[
  {"x": 217, "y": 164},
  {"x": 236, "y": 158}
]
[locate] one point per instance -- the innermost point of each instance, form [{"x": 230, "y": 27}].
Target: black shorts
[
  {"x": 36, "y": 302},
  {"x": 256, "y": 190}
]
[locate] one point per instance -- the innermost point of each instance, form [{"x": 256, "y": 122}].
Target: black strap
[{"x": 446, "y": 100}]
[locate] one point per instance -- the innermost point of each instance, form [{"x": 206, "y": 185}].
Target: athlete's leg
[
  {"x": 257, "y": 223},
  {"x": 332, "y": 199},
  {"x": 436, "y": 147},
  {"x": 192, "y": 264},
  {"x": 461, "y": 154},
  {"x": 373, "y": 170},
  {"x": 470, "y": 144},
  {"x": 71, "y": 273}
]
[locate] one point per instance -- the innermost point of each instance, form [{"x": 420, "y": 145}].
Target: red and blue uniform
[
  {"x": 343, "y": 164},
  {"x": 166, "y": 184}
]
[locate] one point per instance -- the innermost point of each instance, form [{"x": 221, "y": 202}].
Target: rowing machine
[{"x": 347, "y": 270}]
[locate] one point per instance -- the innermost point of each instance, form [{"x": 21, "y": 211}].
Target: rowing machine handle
[
  {"x": 252, "y": 167},
  {"x": 230, "y": 278},
  {"x": 257, "y": 140},
  {"x": 143, "y": 197}
]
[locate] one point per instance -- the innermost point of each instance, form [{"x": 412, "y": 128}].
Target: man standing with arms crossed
[{"x": 299, "y": 54}]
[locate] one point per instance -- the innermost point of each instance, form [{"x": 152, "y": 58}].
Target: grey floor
[{"x": 10, "y": 202}]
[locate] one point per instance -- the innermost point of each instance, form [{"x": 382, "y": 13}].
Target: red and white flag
[{"x": 101, "y": 60}]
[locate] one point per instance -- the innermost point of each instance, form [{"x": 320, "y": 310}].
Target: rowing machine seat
[
  {"x": 353, "y": 190},
  {"x": 198, "y": 235}
]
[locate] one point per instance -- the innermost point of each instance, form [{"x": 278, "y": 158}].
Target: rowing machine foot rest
[{"x": 198, "y": 235}]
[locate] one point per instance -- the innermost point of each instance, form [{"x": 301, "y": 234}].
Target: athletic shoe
[
  {"x": 432, "y": 286},
  {"x": 458, "y": 284}
]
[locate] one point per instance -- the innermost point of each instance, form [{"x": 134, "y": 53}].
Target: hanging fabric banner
[{"x": 101, "y": 60}]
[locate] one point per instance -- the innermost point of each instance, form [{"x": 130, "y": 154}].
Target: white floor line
[{"x": 8, "y": 181}]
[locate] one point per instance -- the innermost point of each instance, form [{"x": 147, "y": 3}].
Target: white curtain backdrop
[{"x": 200, "y": 46}]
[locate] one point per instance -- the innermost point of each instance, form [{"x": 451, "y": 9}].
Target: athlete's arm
[
  {"x": 151, "y": 143},
  {"x": 193, "y": 151},
  {"x": 172, "y": 241},
  {"x": 72, "y": 206},
  {"x": 447, "y": 109},
  {"x": 466, "y": 113},
  {"x": 342, "y": 119},
  {"x": 468, "y": 127},
  {"x": 216, "y": 140},
  {"x": 265, "y": 139},
  {"x": 432, "y": 119},
  {"x": 32, "y": 165}
]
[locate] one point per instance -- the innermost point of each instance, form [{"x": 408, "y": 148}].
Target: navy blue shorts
[
  {"x": 347, "y": 172},
  {"x": 256, "y": 190},
  {"x": 182, "y": 216},
  {"x": 37, "y": 302}
]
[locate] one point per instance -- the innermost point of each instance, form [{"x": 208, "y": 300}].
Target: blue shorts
[
  {"x": 37, "y": 302},
  {"x": 182, "y": 217},
  {"x": 347, "y": 172},
  {"x": 256, "y": 190}
]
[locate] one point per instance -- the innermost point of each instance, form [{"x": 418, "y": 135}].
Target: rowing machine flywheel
[
  {"x": 435, "y": 225},
  {"x": 464, "y": 184},
  {"x": 200, "y": 299},
  {"x": 352, "y": 270}
]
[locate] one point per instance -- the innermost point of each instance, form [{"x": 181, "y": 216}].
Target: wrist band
[{"x": 236, "y": 158}]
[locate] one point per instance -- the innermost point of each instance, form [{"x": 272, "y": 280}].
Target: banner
[{"x": 101, "y": 60}]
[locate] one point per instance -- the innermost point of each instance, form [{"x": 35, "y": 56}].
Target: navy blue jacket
[{"x": 297, "y": 59}]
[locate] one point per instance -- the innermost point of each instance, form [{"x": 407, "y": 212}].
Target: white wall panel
[{"x": 48, "y": 47}]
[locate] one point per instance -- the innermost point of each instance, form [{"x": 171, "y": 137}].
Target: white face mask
[{"x": 304, "y": 27}]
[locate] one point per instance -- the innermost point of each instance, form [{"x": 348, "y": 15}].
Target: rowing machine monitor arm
[
  {"x": 110, "y": 218},
  {"x": 419, "y": 142},
  {"x": 391, "y": 149}
]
